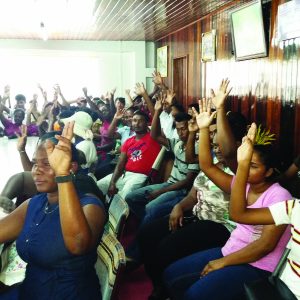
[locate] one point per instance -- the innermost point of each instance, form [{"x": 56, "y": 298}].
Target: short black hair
[
  {"x": 20, "y": 110},
  {"x": 20, "y": 97},
  {"x": 195, "y": 105},
  {"x": 178, "y": 106},
  {"x": 141, "y": 113},
  {"x": 121, "y": 99},
  {"x": 182, "y": 116},
  {"x": 238, "y": 125}
]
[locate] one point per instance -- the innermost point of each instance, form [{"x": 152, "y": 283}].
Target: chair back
[
  {"x": 118, "y": 213},
  {"x": 110, "y": 262}
]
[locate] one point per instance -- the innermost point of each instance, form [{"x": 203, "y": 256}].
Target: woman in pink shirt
[{"x": 251, "y": 252}]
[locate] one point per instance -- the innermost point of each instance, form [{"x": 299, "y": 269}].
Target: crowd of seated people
[{"x": 203, "y": 231}]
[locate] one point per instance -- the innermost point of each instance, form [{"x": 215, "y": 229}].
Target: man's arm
[
  {"x": 186, "y": 204},
  {"x": 190, "y": 154},
  {"x": 141, "y": 91},
  {"x": 92, "y": 104},
  {"x": 226, "y": 140},
  {"x": 120, "y": 168},
  {"x": 179, "y": 185},
  {"x": 2, "y": 118},
  {"x": 111, "y": 132},
  {"x": 155, "y": 125},
  {"x": 129, "y": 98}
]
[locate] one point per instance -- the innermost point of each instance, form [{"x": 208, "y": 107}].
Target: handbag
[{"x": 271, "y": 287}]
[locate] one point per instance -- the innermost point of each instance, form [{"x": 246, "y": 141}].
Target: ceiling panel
[{"x": 100, "y": 19}]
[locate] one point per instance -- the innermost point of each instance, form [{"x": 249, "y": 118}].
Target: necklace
[{"x": 48, "y": 210}]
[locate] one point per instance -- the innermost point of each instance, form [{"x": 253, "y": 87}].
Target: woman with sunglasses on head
[
  {"x": 251, "y": 252},
  {"x": 58, "y": 230}
]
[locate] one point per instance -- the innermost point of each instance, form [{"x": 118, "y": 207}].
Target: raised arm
[
  {"x": 2, "y": 118},
  {"x": 238, "y": 203},
  {"x": 155, "y": 125},
  {"x": 190, "y": 155},
  {"x": 81, "y": 226},
  {"x": 6, "y": 97},
  {"x": 141, "y": 91},
  {"x": 226, "y": 140},
  {"x": 92, "y": 104},
  {"x": 21, "y": 147},
  {"x": 63, "y": 99},
  {"x": 215, "y": 174},
  {"x": 111, "y": 102},
  {"x": 111, "y": 132},
  {"x": 129, "y": 98},
  {"x": 44, "y": 94}
]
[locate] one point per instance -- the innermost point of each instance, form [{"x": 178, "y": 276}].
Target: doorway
[{"x": 180, "y": 79}]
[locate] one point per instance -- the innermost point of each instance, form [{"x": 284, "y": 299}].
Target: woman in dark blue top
[{"x": 58, "y": 230}]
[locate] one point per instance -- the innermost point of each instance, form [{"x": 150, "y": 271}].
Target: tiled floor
[{"x": 10, "y": 162}]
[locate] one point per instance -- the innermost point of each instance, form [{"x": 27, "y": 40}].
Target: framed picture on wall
[
  {"x": 162, "y": 61},
  {"x": 208, "y": 46}
]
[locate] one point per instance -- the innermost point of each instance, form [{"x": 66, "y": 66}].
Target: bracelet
[
  {"x": 66, "y": 178},
  {"x": 22, "y": 151}
]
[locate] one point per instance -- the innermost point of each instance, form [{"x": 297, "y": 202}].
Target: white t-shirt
[
  {"x": 166, "y": 124},
  {"x": 288, "y": 212}
]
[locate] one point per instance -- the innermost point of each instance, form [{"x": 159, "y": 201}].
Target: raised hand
[
  {"x": 245, "y": 151},
  {"x": 159, "y": 102},
  {"x": 34, "y": 98},
  {"x": 57, "y": 88},
  {"x": 22, "y": 139},
  {"x": 169, "y": 96},
  {"x": 60, "y": 155},
  {"x": 218, "y": 99},
  {"x": 112, "y": 92},
  {"x": 6, "y": 91},
  {"x": 140, "y": 89},
  {"x": 157, "y": 79},
  {"x": 84, "y": 89},
  {"x": 193, "y": 126},
  {"x": 119, "y": 113},
  {"x": 204, "y": 118}
]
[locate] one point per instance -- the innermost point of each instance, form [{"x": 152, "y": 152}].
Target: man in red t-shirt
[{"x": 138, "y": 154}]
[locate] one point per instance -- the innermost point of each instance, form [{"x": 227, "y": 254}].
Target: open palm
[
  {"x": 218, "y": 99},
  {"x": 60, "y": 155},
  {"x": 204, "y": 118},
  {"x": 245, "y": 151}
]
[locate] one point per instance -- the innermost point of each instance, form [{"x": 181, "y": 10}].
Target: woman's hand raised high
[
  {"x": 60, "y": 155},
  {"x": 245, "y": 151}
]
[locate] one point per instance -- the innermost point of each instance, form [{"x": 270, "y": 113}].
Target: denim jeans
[
  {"x": 148, "y": 211},
  {"x": 183, "y": 280},
  {"x": 140, "y": 205}
]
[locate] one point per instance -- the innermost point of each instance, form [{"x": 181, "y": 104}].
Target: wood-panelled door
[{"x": 180, "y": 79}]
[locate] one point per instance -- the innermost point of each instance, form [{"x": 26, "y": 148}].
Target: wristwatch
[{"x": 66, "y": 178}]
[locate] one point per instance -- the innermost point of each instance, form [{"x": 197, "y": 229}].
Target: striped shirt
[
  {"x": 180, "y": 167},
  {"x": 288, "y": 212}
]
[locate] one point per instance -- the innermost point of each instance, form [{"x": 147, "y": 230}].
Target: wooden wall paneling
[{"x": 265, "y": 90}]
